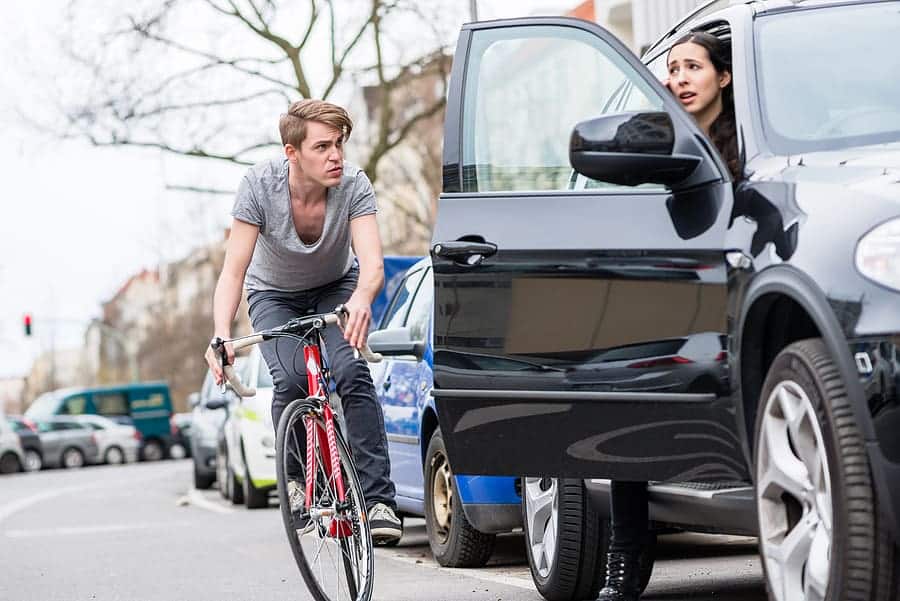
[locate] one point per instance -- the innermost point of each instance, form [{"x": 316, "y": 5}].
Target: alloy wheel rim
[
  {"x": 114, "y": 456},
  {"x": 541, "y": 518},
  {"x": 72, "y": 459},
  {"x": 793, "y": 496},
  {"x": 442, "y": 495},
  {"x": 32, "y": 461}
]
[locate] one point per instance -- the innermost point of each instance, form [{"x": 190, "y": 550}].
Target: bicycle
[{"x": 319, "y": 492}]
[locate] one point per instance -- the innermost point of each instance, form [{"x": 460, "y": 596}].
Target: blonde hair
[{"x": 292, "y": 124}]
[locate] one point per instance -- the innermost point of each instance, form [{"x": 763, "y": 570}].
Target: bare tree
[{"x": 198, "y": 77}]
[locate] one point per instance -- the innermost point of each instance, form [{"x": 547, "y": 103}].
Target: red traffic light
[{"x": 28, "y": 324}]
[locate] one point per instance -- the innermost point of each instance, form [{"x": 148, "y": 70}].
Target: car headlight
[{"x": 878, "y": 254}]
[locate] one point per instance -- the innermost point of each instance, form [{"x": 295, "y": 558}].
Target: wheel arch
[
  {"x": 783, "y": 305},
  {"x": 427, "y": 427}
]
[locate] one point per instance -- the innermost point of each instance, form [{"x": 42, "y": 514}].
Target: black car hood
[{"x": 866, "y": 169}]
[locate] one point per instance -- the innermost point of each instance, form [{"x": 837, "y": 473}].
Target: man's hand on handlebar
[
  {"x": 214, "y": 359},
  {"x": 359, "y": 316}
]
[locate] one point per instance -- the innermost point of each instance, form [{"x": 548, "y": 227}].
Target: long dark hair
[{"x": 723, "y": 130}]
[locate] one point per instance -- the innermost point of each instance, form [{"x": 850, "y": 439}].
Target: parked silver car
[
  {"x": 12, "y": 457},
  {"x": 67, "y": 442},
  {"x": 117, "y": 443}
]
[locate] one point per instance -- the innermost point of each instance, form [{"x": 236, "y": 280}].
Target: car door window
[
  {"x": 396, "y": 314},
  {"x": 74, "y": 405},
  {"x": 526, "y": 88},
  {"x": 111, "y": 403},
  {"x": 420, "y": 310}
]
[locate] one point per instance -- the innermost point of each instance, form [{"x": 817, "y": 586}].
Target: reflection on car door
[{"x": 538, "y": 286}]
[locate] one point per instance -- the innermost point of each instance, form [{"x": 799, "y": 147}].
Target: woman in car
[{"x": 700, "y": 77}]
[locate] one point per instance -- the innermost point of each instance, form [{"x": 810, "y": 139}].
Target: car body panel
[
  {"x": 61, "y": 433},
  {"x": 788, "y": 231}
]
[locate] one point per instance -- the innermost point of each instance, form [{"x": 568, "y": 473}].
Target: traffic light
[{"x": 27, "y": 324}]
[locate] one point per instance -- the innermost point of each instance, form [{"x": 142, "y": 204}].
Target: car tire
[
  {"x": 202, "y": 481},
  {"x": 72, "y": 458},
  {"x": 152, "y": 451},
  {"x": 565, "y": 540},
  {"x": 114, "y": 456},
  {"x": 816, "y": 504},
  {"x": 222, "y": 472},
  {"x": 571, "y": 565},
  {"x": 177, "y": 451},
  {"x": 9, "y": 464},
  {"x": 255, "y": 498},
  {"x": 33, "y": 460},
  {"x": 454, "y": 542},
  {"x": 235, "y": 490}
]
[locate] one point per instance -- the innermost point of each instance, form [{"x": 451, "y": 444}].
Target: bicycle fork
[{"x": 339, "y": 526}]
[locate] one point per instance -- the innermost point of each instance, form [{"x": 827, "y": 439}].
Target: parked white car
[
  {"x": 12, "y": 457},
  {"x": 117, "y": 443},
  {"x": 246, "y": 456}
]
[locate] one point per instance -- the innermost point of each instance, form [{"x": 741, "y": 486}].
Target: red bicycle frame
[{"x": 315, "y": 379}]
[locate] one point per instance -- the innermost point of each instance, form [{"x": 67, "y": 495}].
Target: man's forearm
[
  {"x": 226, "y": 299},
  {"x": 371, "y": 280}
]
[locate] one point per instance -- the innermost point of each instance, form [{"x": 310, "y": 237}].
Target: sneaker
[
  {"x": 385, "y": 525},
  {"x": 297, "y": 499}
]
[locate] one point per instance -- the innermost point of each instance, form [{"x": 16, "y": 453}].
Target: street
[{"x": 140, "y": 533}]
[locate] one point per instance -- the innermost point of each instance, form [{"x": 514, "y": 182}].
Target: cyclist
[{"x": 303, "y": 240}]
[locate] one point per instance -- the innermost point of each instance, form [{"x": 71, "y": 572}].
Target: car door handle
[{"x": 464, "y": 252}]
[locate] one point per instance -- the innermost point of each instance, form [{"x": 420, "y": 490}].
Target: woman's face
[{"x": 694, "y": 80}]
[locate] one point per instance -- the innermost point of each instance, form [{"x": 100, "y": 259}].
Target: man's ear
[
  {"x": 290, "y": 152},
  {"x": 725, "y": 79}
]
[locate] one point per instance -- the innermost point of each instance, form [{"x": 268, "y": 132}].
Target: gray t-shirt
[{"x": 281, "y": 260}]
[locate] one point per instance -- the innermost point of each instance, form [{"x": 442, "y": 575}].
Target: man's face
[{"x": 321, "y": 154}]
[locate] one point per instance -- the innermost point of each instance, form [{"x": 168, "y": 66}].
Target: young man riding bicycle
[{"x": 295, "y": 219}]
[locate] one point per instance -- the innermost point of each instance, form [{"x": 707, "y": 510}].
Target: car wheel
[
  {"x": 454, "y": 542},
  {"x": 72, "y": 458},
  {"x": 114, "y": 456},
  {"x": 177, "y": 451},
  {"x": 235, "y": 491},
  {"x": 152, "y": 451},
  {"x": 202, "y": 481},
  {"x": 33, "y": 461},
  {"x": 9, "y": 464},
  {"x": 565, "y": 540},
  {"x": 818, "y": 535},
  {"x": 222, "y": 473},
  {"x": 255, "y": 498}
]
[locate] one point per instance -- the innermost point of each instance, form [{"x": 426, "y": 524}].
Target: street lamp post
[{"x": 473, "y": 9}]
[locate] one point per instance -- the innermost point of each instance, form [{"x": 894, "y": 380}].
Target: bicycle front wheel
[{"x": 331, "y": 541}]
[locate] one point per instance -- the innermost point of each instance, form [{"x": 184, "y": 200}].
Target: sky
[{"x": 76, "y": 221}]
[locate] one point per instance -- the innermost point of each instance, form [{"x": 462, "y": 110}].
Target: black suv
[{"x": 610, "y": 304}]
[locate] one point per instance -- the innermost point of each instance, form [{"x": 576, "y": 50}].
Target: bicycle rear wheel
[{"x": 332, "y": 543}]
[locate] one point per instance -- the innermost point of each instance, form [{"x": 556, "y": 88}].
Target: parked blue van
[
  {"x": 146, "y": 405},
  {"x": 462, "y": 514}
]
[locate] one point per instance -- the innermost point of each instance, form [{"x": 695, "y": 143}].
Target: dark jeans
[
  {"x": 630, "y": 521},
  {"x": 362, "y": 411}
]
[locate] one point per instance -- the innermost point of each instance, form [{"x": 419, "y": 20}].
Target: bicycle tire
[{"x": 358, "y": 571}]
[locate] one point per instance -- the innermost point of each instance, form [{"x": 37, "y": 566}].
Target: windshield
[
  {"x": 44, "y": 406},
  {"x": 828, "y": 77}
]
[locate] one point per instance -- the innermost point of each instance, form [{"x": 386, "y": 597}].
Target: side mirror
[
  {"x": 193, "y": 399},
  {"x": 395, "y": 342},
  {"x": 629, "y": 149},
  {"x": 217, "y": 404}
]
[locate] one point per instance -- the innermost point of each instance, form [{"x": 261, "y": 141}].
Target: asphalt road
[{"x": 140, "y": 533}]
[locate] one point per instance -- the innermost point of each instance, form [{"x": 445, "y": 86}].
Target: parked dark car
[
  {"x": 67, "y": 443},
  {"x": 539, "y": 270},
  {"x": 31, "y": 442}
]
